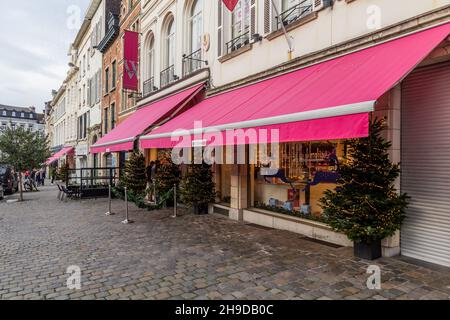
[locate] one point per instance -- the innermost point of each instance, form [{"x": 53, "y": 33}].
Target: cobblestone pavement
[{"x": 190, "y": 257}]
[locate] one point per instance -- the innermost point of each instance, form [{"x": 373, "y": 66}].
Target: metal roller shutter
[{"x": 426, "y": 164}]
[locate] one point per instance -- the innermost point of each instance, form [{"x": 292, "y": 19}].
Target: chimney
[{"x": 32, "y": 109}]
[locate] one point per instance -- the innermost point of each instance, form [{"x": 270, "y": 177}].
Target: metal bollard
[
  {"x": 126, "y": 221},
  {"x": 109, "y": 213},
  {"x": 175, "y": 207}
]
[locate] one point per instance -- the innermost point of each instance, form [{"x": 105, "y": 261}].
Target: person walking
[
  {"x": 37, "y": 177},
  {"x": 27, "y": 181},
  {"x": 53, "y": 174},
  {"x": 33, "y": 180},
  {"x": 43, "y": 176}
]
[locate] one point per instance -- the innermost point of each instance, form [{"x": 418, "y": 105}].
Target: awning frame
[
  {"x": 201, "y": 85},
  {"x": 356, "y": 108}
]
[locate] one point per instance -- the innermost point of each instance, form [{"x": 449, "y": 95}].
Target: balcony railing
[
  {"x": 149, "y": 86},
  {"x": 168, "y": 76},
  {"x": 193, "y": 62},
  {"x": 296, "y": 12},
  {"x": 238, "y": 42}
]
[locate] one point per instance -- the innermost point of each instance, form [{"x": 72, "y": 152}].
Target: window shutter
[
  {"x": 95, "y": 89},
  {"x": 317, "y": 5},
  {"x": 219, "y": 28},
  {"x": 267, "y": 16},
  {"x": 89, "y": 92},
  {"x": 93, "y": 97},
  {"x": 99, "y": 32},
  {"x": 99, "y": 87},
  {"x": 253, "y": 18}
]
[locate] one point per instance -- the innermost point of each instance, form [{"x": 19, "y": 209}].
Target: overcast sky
[{"x": 34, "y": 43}]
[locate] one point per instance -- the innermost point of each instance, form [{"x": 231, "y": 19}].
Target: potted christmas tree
[
  {"x": 365, "y": 205},
  {"x": 167, "y": 176},
  {"x": 197, "y": 189},
  {"x": 134, "y": 178}
]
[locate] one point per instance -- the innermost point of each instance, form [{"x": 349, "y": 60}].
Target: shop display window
[{"x": 305, "y": 171}]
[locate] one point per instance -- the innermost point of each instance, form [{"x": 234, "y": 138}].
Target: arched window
[
  {"x": 170, "y": 43},
  {"x": 193, "y": 60},
  {"x": 149, "y": 71},
  {"x": 168, "y": 72},
  {"x": 196, "y": 25},
  {"x": 151, "y": 58}
]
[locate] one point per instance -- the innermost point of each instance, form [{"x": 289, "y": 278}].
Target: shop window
[
  {"x": 109, "y": 160},
  {"x": 225, "y": 183},
  {"x": 306, "y": 171}
]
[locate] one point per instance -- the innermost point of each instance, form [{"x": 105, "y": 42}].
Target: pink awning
[
  {"x": 329, "y": 100},
  {"x": 59, "y": 154},
  {"x": 123, "y": 136}
]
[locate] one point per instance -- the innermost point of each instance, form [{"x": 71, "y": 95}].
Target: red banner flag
[
  {"x": 130, "y": 60},
  {"x": 230, "y": 4}
]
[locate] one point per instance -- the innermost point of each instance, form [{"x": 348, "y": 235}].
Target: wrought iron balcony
[
  {"x": 238, "y": 42},
  {"x": 149, "y": 86},
  {"x": 294, "y": 13},
  {"x": 193, "y": 62},
  {"x": 168, "y": 76}
]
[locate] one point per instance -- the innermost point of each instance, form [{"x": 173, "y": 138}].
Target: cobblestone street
[{"x": 190, "y": 257}]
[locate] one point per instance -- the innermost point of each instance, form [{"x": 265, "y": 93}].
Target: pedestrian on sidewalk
[
  {"x": 37, "y": 177},
  {"x": 52, "y": 174},
  {"x": 43, "y": 176},
  {"x": 33, "y": 180}
]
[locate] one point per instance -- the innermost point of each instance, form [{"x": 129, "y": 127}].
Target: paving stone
[{"x": 191, "y": 257}]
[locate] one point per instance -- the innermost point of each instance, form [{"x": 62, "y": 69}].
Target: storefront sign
[{"x": 199, "y": 143}]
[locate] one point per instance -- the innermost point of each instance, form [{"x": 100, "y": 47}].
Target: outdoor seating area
[{"x": 89, "y": 183}]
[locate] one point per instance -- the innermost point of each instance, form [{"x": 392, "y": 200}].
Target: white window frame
[
  {"x": 169, "y": 43},
  {"x": 195, "y": 19}
]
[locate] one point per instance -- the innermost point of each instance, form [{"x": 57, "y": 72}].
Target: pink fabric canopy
[
  {"x": 123, "y": 136},
  {"x": 59, "y": 154},
  {"x": 329, "y": 100}
]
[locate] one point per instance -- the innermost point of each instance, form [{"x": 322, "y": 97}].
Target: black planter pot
[
  {"x": 200, "y": 209},
  {"x": 368, "y": 251}
]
